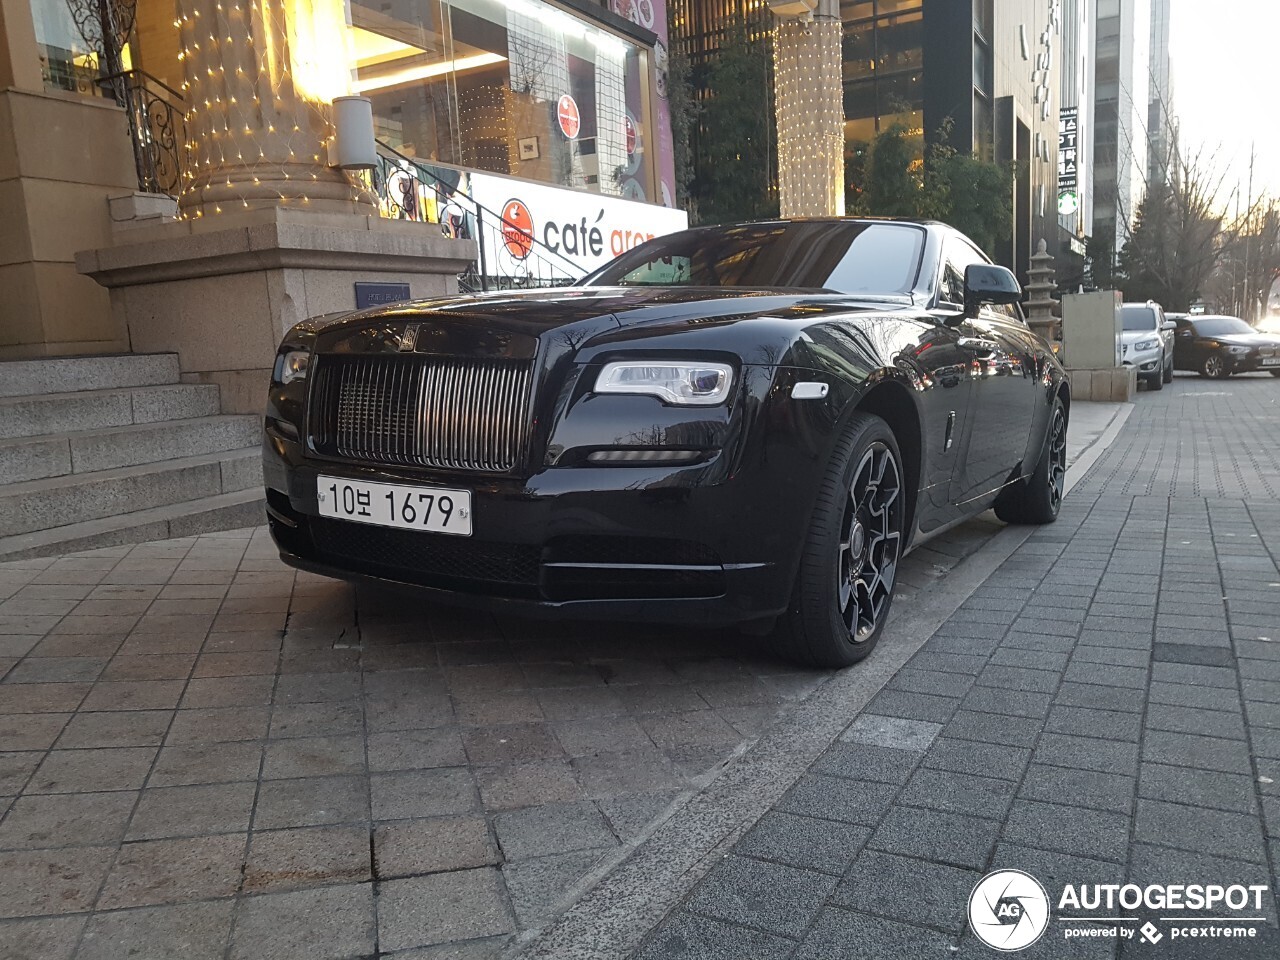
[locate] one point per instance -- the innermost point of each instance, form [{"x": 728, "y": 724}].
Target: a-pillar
[
  {"x": 258, "y": 81},
  {"x": 809, "y": 105}
]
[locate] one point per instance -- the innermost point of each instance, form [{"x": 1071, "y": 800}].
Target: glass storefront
[
  {"x": 883, "y": 66},
  {"x": 507, "y": 86}
]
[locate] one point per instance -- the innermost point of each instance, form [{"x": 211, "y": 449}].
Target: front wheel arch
[{"x": 892, "y": 402}]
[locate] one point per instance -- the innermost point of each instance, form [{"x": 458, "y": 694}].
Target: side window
[{"x": 956, "y": 256}]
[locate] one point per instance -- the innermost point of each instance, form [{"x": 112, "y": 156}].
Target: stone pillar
[
  {"x": 810, "y": 107},
  {"x": 259, "y": 78},
  {"x": 1040, "y": 286}
]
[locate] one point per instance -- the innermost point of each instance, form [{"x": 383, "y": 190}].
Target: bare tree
[
  {"x": 1250, "y": 260},
  {"x": 1173, "y": 244}
]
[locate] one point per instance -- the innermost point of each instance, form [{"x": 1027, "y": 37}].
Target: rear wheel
[
  {"x": 844, "y": 586},
  {"x": 1214, "y": 367},
  {"x": 1038, "y": 498}
]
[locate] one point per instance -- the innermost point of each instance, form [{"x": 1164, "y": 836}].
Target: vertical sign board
[{"x": 1068, "y": 174}]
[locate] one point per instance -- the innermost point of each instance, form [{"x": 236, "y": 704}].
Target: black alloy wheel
[
  {"x": 1038, "y": 498},
  {"x": 1214, "y": 367},
  {"x": 869, "y": 543},
  {"x": 844, "y": 586}
]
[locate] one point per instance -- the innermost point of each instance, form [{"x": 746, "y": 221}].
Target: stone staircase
[{"x": 99, "y": 451}]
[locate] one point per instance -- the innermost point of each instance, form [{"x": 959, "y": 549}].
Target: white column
[
  {"x": 259, "y": 76},
  {"x": 809, "y": 104}
]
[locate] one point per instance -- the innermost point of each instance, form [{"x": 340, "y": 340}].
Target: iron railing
[
  {"x": 157, "y": 127},
  {"x": 510, "y": 256}
]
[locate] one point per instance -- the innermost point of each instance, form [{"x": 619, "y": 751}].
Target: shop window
[{"x": 513, "y": 87}]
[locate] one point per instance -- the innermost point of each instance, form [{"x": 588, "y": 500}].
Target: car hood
[
  {"x": 534, "y": 312},
  {"x": 1246, "y": 339}
]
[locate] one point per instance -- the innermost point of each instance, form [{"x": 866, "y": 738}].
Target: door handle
[{"x": 979, "y": 346}]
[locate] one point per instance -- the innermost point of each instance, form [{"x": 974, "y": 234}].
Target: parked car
[
  {"x": 742, "y": 424},
  {"x": 1146, "y": 342},
  {"x": 1219, "y": 346}
]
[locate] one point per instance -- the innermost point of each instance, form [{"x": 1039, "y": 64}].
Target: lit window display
[{"x": 513, "y": 87}]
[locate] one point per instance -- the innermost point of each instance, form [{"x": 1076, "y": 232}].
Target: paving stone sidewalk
[
  {"x": 205, "y": 754},
  {"x": 1104, "y": 709}
]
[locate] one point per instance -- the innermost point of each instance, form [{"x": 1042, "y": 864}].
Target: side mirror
[
  {"x": 1168, "y": 325},
  {"x": 987, "y": 283}
]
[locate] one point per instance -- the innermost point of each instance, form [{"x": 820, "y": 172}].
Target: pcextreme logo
[{"x": 1008, "y": 910}]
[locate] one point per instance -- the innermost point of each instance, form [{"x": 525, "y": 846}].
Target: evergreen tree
[
  {"x": 734, "y": 178},
  {"x": 972, "y": 195}
]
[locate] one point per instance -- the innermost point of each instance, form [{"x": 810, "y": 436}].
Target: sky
[{"x": 1226, "y": 80}]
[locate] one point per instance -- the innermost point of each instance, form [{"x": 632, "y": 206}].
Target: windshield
[
  {"x": 1138, "y": 318},
  {"x": 1221, "y": 326},
  {"x": 842, "y": 256}
]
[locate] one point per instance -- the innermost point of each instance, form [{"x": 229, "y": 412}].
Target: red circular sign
[
  {"x": 570, "y": 119},
  {"x": 630, "y": 132},
  {"x": 517, "y": 228}
]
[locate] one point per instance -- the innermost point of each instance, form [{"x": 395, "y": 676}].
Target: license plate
[
  {"x": 433, "y": 509},
  {"x": 1271, "y": 361}
]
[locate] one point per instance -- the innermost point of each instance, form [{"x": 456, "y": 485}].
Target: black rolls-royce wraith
[{"x": 730, "y": 425}]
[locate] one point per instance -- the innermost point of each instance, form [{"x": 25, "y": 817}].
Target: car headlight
[
  {"x": 1146, "y": 345},
  {"x": 702, "y": 384},
  {"x": 291, "y": 365},
  {"x": 1238, "y": 350}
]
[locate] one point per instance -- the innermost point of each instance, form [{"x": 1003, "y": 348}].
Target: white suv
[{"x": 1147, "y": 342}]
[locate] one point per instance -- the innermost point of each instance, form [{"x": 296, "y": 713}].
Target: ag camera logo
[{"x": 1008, "y": 910}]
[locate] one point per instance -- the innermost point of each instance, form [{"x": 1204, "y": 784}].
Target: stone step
[
  {"x": 20, "y": 378},
  {"x": 53, "y": 413},
  {"x": 227, "y": 511},
  {"x": 87, "y": 451},
  {"x": 77, "y": 498}
]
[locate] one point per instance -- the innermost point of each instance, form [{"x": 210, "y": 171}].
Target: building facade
[
  {"x": 1075, "y": 141},
  {"x": 1122, "y": 86},
  {"x": 1162, "y": 126},
  {"x": 564, "y": 96},
  {"x": 985, "y": 72}
]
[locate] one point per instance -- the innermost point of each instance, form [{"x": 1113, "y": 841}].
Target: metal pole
[{"x": 484, "y": 272}]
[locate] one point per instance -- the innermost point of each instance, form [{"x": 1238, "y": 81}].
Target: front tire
[
  {"x": 1214, "y": 367},
  {"x": 1038, "y": 498},
  {"x": 1168, "y": 371},
  {"x": 844, "y": 587},
  {"x": 1155, "y": 381}
]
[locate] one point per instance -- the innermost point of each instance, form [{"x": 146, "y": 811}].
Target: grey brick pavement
[
  {"x": 1105, "y": 708},
  {"x": 205, "y": 754}
]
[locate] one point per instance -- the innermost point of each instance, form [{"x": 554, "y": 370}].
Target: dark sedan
[
  {"x": 730, "y": 425},
  {"x": 1218, "y": 346}
]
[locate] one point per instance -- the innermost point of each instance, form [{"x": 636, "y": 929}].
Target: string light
[
  {"x": 245, "y": 85},
  {"x": 810, "y": 111}
]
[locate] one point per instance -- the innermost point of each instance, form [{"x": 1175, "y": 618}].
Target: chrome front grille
[{"x": 456, "y": 413}]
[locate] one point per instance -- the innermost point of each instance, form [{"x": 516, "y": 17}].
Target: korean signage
[{"x": 1068, "y": 179}]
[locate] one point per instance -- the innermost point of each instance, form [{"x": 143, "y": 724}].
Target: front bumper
[
  {"x": 1147, "y": 362},
  {"x": 1250, "y": 362},
  {"x": 642, "y": 543}
]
